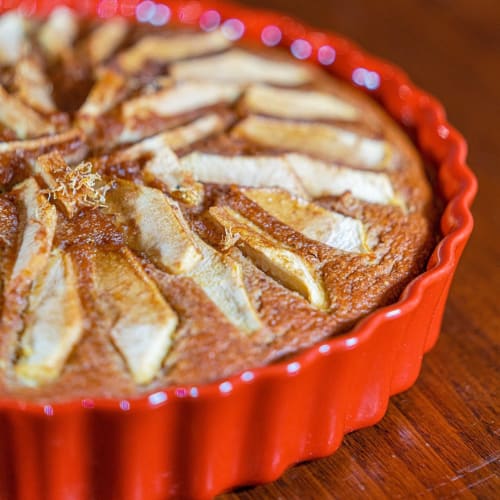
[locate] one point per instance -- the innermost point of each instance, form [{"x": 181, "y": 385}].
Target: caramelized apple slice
[
  {"x": 240, "y": 66},
  {"x": 38, "y": 222},
  {"x": 70, "y": 187},
  {"x": 323, "y": 179},
  {"x": 25, "y": 121},
  {"x": 299, "y": 104},
  {"x": 12, "y": 37},
  {"x": 198, "y": 129},
  {"x": 160, "y": 230},
  {"x": 57, "y": 34},
  {"x": 70, "y": 144},
  {"x": 252, "y": 171},
  {"x": 326, "y": 141},
  {"x": 163, "y": 50},
  {"x": 183, "y": 97},
  {"x": 33, "y": 86},
  {"x": 143, "y": 323},
  {"x": 221, "y": 278},
  {"x": 108, "y": 90},
  {"x": 284, "y": 265},
  {"x": 54, "y": 322},
  {"x": 168, "y": 102},
  {"x": 173, "y": 139},
  {"x": 315, "y": 222},
  {"x": 102, "y": 42}
]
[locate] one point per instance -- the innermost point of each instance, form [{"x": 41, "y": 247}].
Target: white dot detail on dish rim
[
  {"x": 293, "y": 367},
  {"x": 233, "y": 29},
  {"x": 324, "y": 349},
  {"x": 351, "y": 341},
  {"x": 210, "y": 20},
  {"x": 158, "y": 398},
  {"x": 301, "y": 49},
  {"x": 247, "y": 376},
  {"x": 271, "y": 36},
  {"x": 125, "y": 405},
  {"x": 326, "y": 55},
  {"x": 161, "y": 15},
  {"x": 145, "y": 11},
  {"x": 225, "y": 387}
]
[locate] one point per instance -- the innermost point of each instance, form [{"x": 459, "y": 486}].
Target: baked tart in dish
[
  {"x": 176, "y": 208},
  {"x": 216, "y": 259}
]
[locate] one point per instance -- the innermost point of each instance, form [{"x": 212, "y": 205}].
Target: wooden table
[{"x": 441, "y": 438}]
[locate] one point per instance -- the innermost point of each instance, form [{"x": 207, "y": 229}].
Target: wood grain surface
[{"x": 440, "y": 439}]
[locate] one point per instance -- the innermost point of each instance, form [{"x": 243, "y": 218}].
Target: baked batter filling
[{"x": 175, "y": 208}]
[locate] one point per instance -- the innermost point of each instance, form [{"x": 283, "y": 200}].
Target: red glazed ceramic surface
[{"x": 195, "y": 442}]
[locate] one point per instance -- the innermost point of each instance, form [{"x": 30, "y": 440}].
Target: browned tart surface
[{"x": 175, "y": 209}]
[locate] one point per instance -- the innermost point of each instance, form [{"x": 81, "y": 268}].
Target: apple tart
[{"x": 176, "y": 208}]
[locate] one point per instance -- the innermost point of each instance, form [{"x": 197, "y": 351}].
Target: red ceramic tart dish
[{"x": 197, "y": 440}]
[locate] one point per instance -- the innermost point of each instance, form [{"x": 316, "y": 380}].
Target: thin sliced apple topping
[
  {"x": 175, "y": 138},
  {"x": 25, "y": 121},
  {"x": 33, "y": 86},
  {"x": 172, "y": 101},
  {"x": 163, "y": 164},
  {"x": 163, "y": 50},
  {"x": 143, "y": 322},
  {"x": 160, "y": 230},
  {"x": 315, "y": 222},
  {"x": 12, "y": 37},
  {"x": 318, "y": 139},
  {"x": 323, "y": 179},
  {"x": 70, "y": 143},
  {"x": 283, "y": 264},
  {"x": 240, "y": 66},
  {"x": 201, "y": 128},
  {"x": 108, "y": 90},
  {"x": 221, "y": 278},
  {"x": 70, "y": 187},
  {"x": 54, "y": 322},
  {"x": 57, "y": 34},
  {"x": 102, "y": 42},
  {"x": 298, "y": 104},
  {"x": 252, "y": 171},
  {"x": 184, "y": 97},
  {"x": 38, "y": 223}
]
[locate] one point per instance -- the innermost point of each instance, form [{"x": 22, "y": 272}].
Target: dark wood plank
[{"x": 440, "y": 439}]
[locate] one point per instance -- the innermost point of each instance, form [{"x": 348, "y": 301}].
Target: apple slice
[
  {"x": 143, "y": 323},
  {"x": 32, "y": 85},
  {"x": 298, "y": 104},
  {"x": 221, "y": 278},
  {"x": 108, "y": 90},
  {"x": 25, "y": 121},
  {"x": 57, "y": 34},
  {"x": 184, "y": 97},
  {"x": 54, "y": 322},
  {"x": 172, "y": 101},
  {"x": 315, "y": 222},
  {"x": 240, "y": 66},
  {"x": 318, "y": 139},
  {"x": 164, "y": 50},
  {"x": 70, "y": 187},
  {"x": 323, "y": 179},
  {"x": 102, "y": 42},
  {"x": 160, "y": 230},
  {"x": 252, "y": 171},
  {"x": 38, "y": 222},
  {"x": 175, "y": 138},
  {"x": 12, "y": 37},
  {"x": 69, "y": 143},
  {"x": 284, "y": 265}
]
